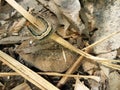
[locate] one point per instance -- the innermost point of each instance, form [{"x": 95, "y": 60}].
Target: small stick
[
  {"x": 53, "y": 36},
  {"x": 39, "y": 24}
]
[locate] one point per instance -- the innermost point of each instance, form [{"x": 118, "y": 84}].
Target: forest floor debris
[{"x": 71, "y": 27}]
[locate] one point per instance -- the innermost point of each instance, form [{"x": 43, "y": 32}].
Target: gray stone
[{"x": 107, "y": 21}]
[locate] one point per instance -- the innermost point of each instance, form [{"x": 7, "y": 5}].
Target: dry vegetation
[{"x": 59, "y": 44}]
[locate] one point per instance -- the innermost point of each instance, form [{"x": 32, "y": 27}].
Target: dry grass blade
[
  {"x": 101, "y": 40},
  {"x": 110, "y": 65},
  {"x": 3, "y": 74},
  {"x": 26, "y": 72},
  {"x": 69, "y": 46},
  {"x": 59, "y": 39},
  {"x": 70, "y": 75},
  {"x": 66, "y": 44},
  {"x": 78, "y": 61},
  {"x": 28, "y": 16},
  {"x": 55, "y": 37}
]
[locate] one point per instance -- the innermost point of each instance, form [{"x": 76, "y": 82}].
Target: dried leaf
[
  {"x": 79, "y": 85},
  {"x": 17, "y": 26},
  {"x": 94, "y": 85},
  {"x": 71, "y": 8},
  {"x": 57, "y": 12},
  {"x": 89, "y": 67},
  {"x": 23, "y": 86}
]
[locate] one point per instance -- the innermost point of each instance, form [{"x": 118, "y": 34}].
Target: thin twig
[
  {"x": 101, "y": 40},
  {"x": 3, "y": 74},
  {"x": 71, "y": 70}
]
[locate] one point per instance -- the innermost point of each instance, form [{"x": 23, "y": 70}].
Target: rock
[
  {"x": 47, "y": 56},
  {"x": 70, "y": 9},
  {"x": 110, "y": 55},
  {"x": 108, "y": 21},
  {"x": 114, "y": 81},
  {"x": 28, "y": 4}
]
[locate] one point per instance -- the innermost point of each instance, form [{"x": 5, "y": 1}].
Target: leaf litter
[{"x": 75, "y": 21}]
